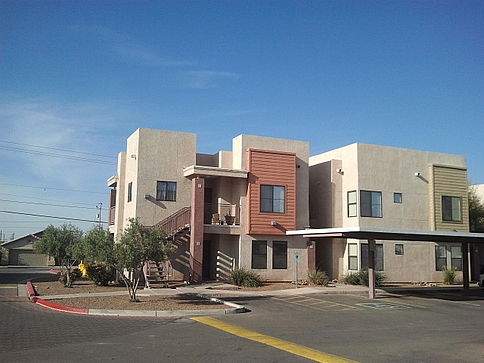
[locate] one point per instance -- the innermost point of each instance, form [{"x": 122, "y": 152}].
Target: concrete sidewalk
[{"x": 216, "y": 291}]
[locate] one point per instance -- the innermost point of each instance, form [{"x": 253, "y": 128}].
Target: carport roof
[{"x": 390, "y": 234}]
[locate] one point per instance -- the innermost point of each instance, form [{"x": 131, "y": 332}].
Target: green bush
[
  {"x": 74, "y": 275},
  {"x": 101, "y": 275},
  {"x": 318, "y": 277},
  {"x": 361, "y": 278},
  {"x": 245, "y": 278},
  {"x": 449, "y": 275}
]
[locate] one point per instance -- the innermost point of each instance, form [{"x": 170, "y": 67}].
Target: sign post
[{"x": 297, "y": 257}]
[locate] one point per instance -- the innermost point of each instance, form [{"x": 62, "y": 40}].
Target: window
[
  {"x": 352, "y": 203},
  {"x": 130, "y": 192},
  {"x": 279, "y": 255},
  {"x": 272, "y": 198},
  {"x": 399, "y": 249},
  {"x": 352, "y": 256},
  {"x": 259, "y": 254},
  {"x": 378, "y": 257},
  {"x": 451, "y": 209},
  {"x": 397, "y": 197},
  {"x": 440, "y": 258},
  {"x": 166, "y": 191},
  {"x": 456, "y": 257},
  {"x": 370, "y": 204}
]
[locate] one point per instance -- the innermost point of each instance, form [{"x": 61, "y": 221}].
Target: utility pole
[{"x": 99, "y": 215}]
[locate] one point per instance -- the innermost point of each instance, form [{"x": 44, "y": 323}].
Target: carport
[{"x": 386, "y": 234}]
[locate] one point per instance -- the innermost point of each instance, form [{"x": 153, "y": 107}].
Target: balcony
[{"x": 222, "y": 218}]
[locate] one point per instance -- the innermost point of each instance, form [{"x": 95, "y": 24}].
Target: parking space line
[
  {"x": 286, "y": 346},
  {"x": 326, "y": 305}
]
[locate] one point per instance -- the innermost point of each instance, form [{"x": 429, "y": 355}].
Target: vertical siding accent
[
  {"x": 267, "y": 167},
  {"x": 449, "y": 181}
]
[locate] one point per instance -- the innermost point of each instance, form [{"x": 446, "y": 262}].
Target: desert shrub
[
  {"x": 318, "y": 277},
  {"x": 449, "y": 275},
  {"x": 361, "y": 278},
  {"x": 100, "y": 274},
  {"x": 245, "y": 278}
]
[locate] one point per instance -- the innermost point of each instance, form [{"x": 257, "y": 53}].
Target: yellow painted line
[
  {"x": 8, "y": 286},
  {"x": 286, "y": 346}
]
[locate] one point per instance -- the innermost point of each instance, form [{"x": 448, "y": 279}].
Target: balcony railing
[{"x": 222, "y": 213}]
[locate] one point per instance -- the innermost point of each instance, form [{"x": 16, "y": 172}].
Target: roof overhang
[
  {"x": 390, "y": 234},
  {"x": 212, "y": 171}
]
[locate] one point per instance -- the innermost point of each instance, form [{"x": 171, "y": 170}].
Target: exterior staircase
[{"x": 177, "y": 227}]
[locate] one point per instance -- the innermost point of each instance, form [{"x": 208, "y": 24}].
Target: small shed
[{"x": 20, "y": 252}]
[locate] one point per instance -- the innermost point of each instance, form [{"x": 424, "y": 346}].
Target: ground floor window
[
  {"x": 279, "y": 255},
  {"x": 456, "y": 257},
  {"x": 440, "y": 258},
  {"x": 259, "y": 254},
  {"x": 378, "y": 256},
  {"x": 352, "y": 256}
]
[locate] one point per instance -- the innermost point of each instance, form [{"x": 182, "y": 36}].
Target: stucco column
[
  {"x": 196, "y": 230},
  {"x": 371, "y": 268},
  {"x": 465, "y": 267}
]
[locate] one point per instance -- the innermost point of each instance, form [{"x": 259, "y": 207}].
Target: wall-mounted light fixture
[
  {"x": 340, "y": 171},
  {"x": 273, "y": 223},
  {"x": 147, "y": 196},
  {"x": 133, "y": 156},
  {"x": 417, "y": 174}
]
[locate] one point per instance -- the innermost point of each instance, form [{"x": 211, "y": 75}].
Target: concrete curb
[{"x": 235, "y": 308}]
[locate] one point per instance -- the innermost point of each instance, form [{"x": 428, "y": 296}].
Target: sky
[{"x": 78, "y": 77}]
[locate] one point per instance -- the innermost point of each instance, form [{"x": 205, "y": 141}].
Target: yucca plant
[
  {"x": 318, "y": 277},
  {"x": 449, "y": 275},
  {"x": 245, "y": 278}
]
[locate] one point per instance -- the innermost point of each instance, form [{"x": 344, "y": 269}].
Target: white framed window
[
  {"x": 456, "y": 257},
  {"x": 398, "y": 249},
  {"x": 352, "y": 203},
  {"x": 352, "y": 256},
  {"x": 397, "y": 198},
  {"x": 440, "y": 258},
  {"x": 378, "y": 256}
]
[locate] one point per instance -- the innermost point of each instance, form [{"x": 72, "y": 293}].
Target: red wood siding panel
[{"x": 271, "y": 168}]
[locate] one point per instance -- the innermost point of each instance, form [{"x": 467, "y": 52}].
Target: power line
[
  {"x": 47, "y": 204},
  {"x": 57, "y": 149},
  {"x": 43, "y": 153},
  {"x": 53, "y": 217},
  {"x": 49, "y": 188},
  {"x": 45, "y": 199}
]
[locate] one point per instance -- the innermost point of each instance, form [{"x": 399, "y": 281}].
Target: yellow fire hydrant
[{"x": 83, "y": 269}]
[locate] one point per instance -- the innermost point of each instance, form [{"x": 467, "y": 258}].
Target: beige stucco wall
[
  {"x": 151, "y": 156},
  {"x": 389, "y": 170}
]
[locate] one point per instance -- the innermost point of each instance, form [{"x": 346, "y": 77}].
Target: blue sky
[{"x": 82, "y": 76}]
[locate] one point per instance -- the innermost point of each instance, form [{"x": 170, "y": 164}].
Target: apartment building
[
  {"x": 230, "y": 209},
  {"x": 373, "y": 186},
  {"x": 233, "y": 208}
]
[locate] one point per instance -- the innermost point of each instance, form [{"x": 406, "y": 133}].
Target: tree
[
  {"x": 138, "y": 245},
  {"x": 97, "y": 252},
  {"x": 476, "y": 211},
  {"x": 60, "y": 243}
]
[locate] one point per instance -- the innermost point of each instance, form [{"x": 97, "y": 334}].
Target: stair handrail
[{"x": 178, "y": 220}]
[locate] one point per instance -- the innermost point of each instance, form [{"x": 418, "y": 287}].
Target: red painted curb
[
  {"x": 30, "y": 290},
  {"x": 54, "y": 306}
]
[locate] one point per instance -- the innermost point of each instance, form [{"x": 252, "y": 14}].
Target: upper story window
[
  {"x": 371, "y": 204},
  {"x": 352, "y": 203},
  {"x": 451, "y": 209},
  {"x": 397, "y": 197},
  {"x": 166, "y": 191},
  {"x": 130, "y": 191},
  {"x": 272, "y": 198}
]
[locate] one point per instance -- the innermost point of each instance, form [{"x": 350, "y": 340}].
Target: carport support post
[
  {"x": 371, "y": 268},
  {"x": 465, "y": 267}
]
